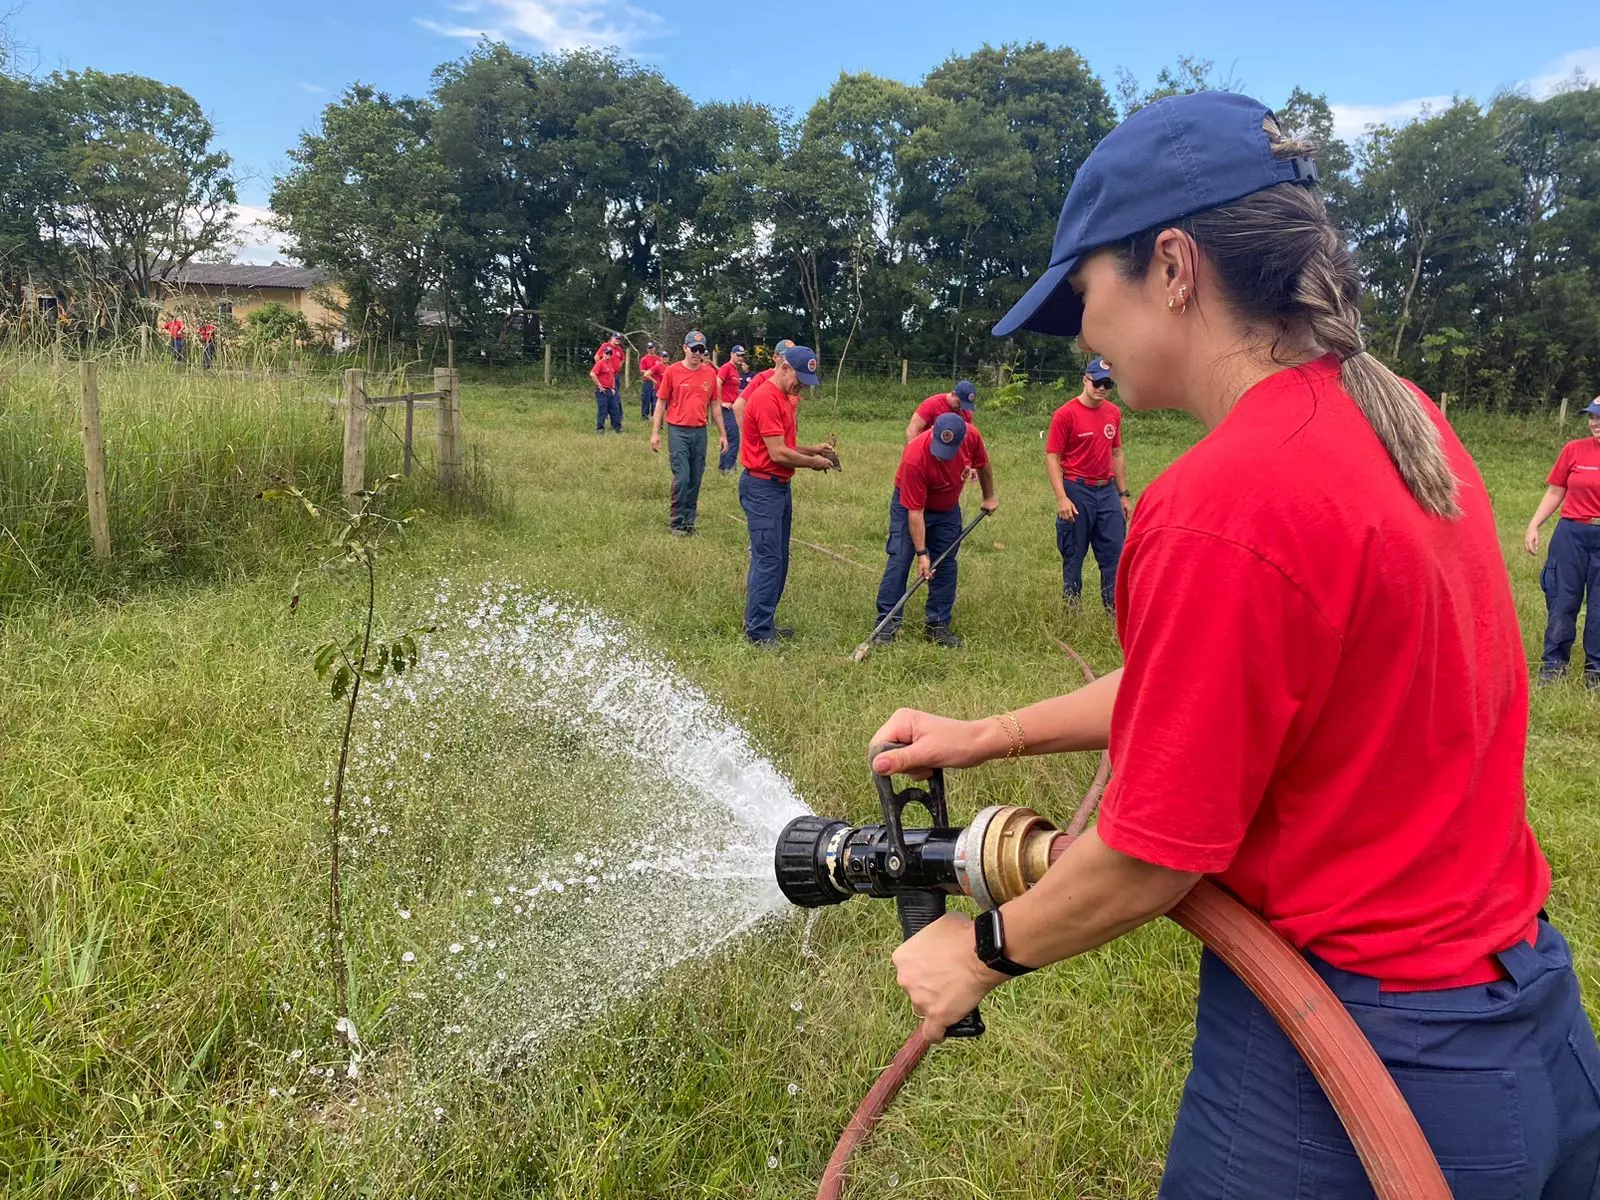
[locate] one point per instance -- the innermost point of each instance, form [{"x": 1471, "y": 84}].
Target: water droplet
[
  {"x": 772, "y": 1162},
  {"x": 456, "y": 947},
  {"x": 405, "y": 914},
  {"x": 408, "y": 956},
  {"x": 794, "y": 1089},
  {"x": 894, "y": 1181},
  {"x": 796, "y": 1006}
]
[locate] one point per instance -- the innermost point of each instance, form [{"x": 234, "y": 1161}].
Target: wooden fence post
[
  {"x": 355, "y": 435},
  {"x": 1444, "y": 405},
  {"x": 547, "y": 356},
  {"x": 627, "y": 368},
  {"x": 411, "y": 418},
  {"x": 1563, "y": 410},
  {"x": 905, "y": 371},
  {"x": 447, "y": 382},
  {"x": 94, "y": 460}
]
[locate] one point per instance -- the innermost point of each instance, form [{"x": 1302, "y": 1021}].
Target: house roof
[{"x": 247, "y": 275}]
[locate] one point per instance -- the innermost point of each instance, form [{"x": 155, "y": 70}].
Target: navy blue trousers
[
  {"x": 647, "y": 399},
  {"x": 1503, "y": 1078},
  {"x": 607, "y": 403},
  {"x": 730, "y": 456},
  {"x": 686, "y": 450},
  {"x": 943, "y": 529},
  {"x": 1571, "y": 572},
  {"x": 768, "y": 511},
  {"x": 1099, "y": 524}
]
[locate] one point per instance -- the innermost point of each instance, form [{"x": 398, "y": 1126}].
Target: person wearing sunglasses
[
  {"x": 1083, "y": 458},
  {"x": 1571, "y": 575},
  {"x": 1323, "y": 701},
  {"x": 687, "y": 402}
]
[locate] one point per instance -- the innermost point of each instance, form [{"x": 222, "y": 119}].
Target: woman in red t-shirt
[
  {"x": 1324, "y": 697},
  {"x": 1571, "y": 576}
]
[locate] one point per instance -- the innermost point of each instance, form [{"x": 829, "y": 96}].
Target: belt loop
[{"x": 1522, "y": 962}]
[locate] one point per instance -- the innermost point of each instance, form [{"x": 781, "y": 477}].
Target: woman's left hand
[{"x": 941, "y": 974}]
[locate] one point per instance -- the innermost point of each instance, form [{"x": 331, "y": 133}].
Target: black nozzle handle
[{"x": 917, "y": 910}]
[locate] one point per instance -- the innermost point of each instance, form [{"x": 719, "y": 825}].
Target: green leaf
[
  {"x": 341, "y": 682},
  {"x": 325, "y": 654}
]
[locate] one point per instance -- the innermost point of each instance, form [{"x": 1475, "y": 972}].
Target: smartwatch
[
  {"x": 922, "y": 554},
  {"x": 990, "y": 939},
  {"x": 1125, "y": 493}
]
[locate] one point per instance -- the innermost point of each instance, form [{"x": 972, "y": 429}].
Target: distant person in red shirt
[
  {"x": 782, "y": 345},
  {"x": 728, "y": 375},
  {"x": 651, "y": 366},
  {"x": 1323, "y": 702},
  {"x": 173, "y": 327},
  {"x": 963, "y": 399},
  {"x": 1083, "y": 458},
  {"x": 925, "y": 520},
  {"x": 770, "y": 456},
  {"x": 607, "y": 400},
  {"x": 208, "y": 342},
  {"x": 613, "y": 344},
  {"x": 688, "y": 403},
  {"x": 1571, "y": 576}
]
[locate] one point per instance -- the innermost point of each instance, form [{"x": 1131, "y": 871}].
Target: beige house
[{"x": 239, "y": 289}]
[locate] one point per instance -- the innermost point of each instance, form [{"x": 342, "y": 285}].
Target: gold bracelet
[{"x": 1013, "y": 734}]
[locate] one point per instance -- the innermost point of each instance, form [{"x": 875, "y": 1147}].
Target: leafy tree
[
  {"x": 275, "y": 326},
  {"x": 366, "y": 199},
  {"x": 144, "y": 191}
]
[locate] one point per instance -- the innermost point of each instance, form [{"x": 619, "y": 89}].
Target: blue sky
[{"x": 263, "y": 71}]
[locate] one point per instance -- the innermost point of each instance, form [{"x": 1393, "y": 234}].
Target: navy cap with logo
[
  {"x": 804, "y": 361},
  {"x": 1170, "y": 160},
  {"x": 949, "y": 430},
  {"x": 967, "y": 395},
  {"x": 737, "y": 349},
  {"x": 1098, "y": 369},
  {"x": 694, "y": 339},
  {"x": 1593, "y": 409},
  {"x": 783, "y": 344},
  {"x": 649, "y": 345}
]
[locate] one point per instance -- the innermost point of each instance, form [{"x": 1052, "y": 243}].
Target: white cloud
[
  {"x": 553, "y": 24},
  {"x": 1351, "y": 121},
  {"x": 314, "y": 88},
  {"x": 261, "y": 244}
]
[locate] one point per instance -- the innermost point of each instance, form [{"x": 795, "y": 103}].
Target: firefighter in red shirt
[
  {"x": 1571, "y": 576},
  {"x": 1323, "y": 702},
  {"x": 728, "y": 381},
  {"x": 208, "y": 341},
  {"x": 925, "y": 520},
  {"x": 783, "y": 345},
  {"x": 607, "y": 399},
  {"x": 173, "y": 327},
  {"x": 1083, "y": 458},
  {"x": 963, "y": 399},
  {"x": 651, "y": 365},
  {"x": 688, "y": 403}
]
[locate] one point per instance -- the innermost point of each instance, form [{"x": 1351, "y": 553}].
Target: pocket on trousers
[
  {"x": 1471, "y": 1118},
  {"x": 1547, "y": 579}
]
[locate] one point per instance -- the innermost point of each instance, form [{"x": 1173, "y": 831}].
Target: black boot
[{"x": 940, "y": 635}]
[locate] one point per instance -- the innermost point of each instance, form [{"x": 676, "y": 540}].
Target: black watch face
[{"x": 985, "y": 929}]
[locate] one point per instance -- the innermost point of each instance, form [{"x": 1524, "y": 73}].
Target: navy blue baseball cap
[
  {"x": 1594, "y": 409},
  {"x": 694, "y": 339},
  {"x": 804, "y": 361},
  {"x": 1098, "y": 369},
  {"x": 1170, "y": 160},
  {"x": 737, "y": 349},
  {"x": 967, "y": 395},
  {"x": 948, "y": 432}
]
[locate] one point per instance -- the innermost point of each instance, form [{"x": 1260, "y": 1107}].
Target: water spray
[{"x": 1005, "y": 851}]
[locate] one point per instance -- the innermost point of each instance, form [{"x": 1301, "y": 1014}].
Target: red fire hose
[{"x": 1386, "y": 1136}]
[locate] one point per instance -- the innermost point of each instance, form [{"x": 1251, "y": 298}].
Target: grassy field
[{"x": 162, "y": 992}]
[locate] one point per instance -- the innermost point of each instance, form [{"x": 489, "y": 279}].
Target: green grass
[{"x": 161, "y": 762}]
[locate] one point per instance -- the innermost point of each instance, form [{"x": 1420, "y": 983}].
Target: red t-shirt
[
  {"x": 606, "y": 368},
  {"x": 1084, "y": 437},
  {"x": 728, "y": 375},
  {"x": 174, "y": 328},
  {"x": 207, "y": 332},
  {"x": 1578, "y": 470},
  {"x": 1325, "y": 697},
  {"x": 615, "y": 348},
  {"x": 931, "y": 409},
  {"x": 651, "y": 366},
  {"x": 927, "y": 483},
  {"x": 767, "y": 413},
  {"x": 688, "y": 393},
  {"x": 758, "y": 377}
]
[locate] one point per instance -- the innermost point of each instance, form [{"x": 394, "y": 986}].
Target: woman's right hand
[
  {"x": 933, "y": 741},
  {"x": 1530, "y": 540}
]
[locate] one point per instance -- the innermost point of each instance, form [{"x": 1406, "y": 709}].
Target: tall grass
[{"x": 186, "y": 451}]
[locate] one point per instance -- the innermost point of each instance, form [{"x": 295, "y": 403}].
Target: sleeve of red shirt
[
  {"x": 913, "y": 478},
  {"x": 1227, "y": 663},
  {"x": 978, "y": 454},
  {"x": 930, "y": 409},
  {"x": 1563, "y": 468},
  {"x": 1116, "y": 441},
  {"x": 1055, "y": 441},
  {"x": 761, "y": 414}
]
